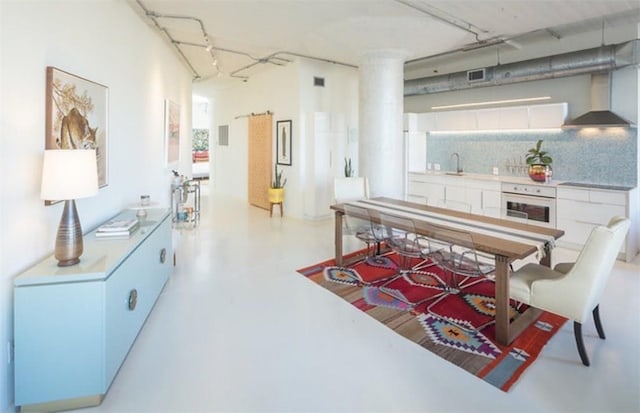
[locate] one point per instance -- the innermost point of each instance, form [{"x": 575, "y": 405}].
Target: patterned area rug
[{"x": 457, "y": 326}]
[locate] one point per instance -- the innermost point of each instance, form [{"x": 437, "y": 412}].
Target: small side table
[{"x": 271, "y": 209}]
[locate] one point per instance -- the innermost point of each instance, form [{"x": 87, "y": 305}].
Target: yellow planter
[{"x": 276, "y": 195}]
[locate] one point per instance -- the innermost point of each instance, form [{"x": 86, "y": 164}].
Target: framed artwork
[
  {"x": 76, "y": 117},
  {"x": 283, "y": 142},
  {"x": 171, "y": 132}
]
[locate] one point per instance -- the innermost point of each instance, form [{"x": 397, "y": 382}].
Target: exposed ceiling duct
[{"x": 597, "y": 60}]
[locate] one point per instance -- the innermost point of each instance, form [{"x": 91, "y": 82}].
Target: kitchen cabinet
[
  {"x": 326, "y": 141},
  {"x": 457, "y": 120},
  {"x": 516, "y": 117},
  {"x": 579, "y": 210},
  {"x": 551, "y": 115},
  {"x": 543, "y": 116},
  {"x": 424, "y": 189},
  {"x": 477, "y": 192},
  {"x": 75, "y": 325}
]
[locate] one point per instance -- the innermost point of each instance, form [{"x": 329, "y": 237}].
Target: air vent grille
[
  {"x": 318, "y": 81},
  {"x": 476, "y": 75}
]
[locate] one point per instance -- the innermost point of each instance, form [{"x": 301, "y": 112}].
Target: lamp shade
[{"x": 69, "y": 174}]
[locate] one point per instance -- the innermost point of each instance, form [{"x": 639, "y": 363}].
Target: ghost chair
[
  {"x": 357, "y": 222},
  {"x": 413, "y": 251},
  {"x": 574, "y": 290},
  {"x": 462, "y": 262}
]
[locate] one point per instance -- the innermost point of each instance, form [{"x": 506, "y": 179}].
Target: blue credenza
[{"x": 74, "y": 325}]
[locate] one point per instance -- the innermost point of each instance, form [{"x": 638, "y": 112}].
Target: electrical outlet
[
  {"x": 436, "y": 166},
  {"x": 496, "y": 171}
]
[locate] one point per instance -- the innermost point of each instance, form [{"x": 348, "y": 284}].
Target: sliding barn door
[{"x": 260, "y": 127}]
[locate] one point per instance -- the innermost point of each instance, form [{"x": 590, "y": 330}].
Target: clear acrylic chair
[
  {"x": 357, "y": 222},
  {"x": 402, "y": 238},
  {"x": 461, "y": 261}
]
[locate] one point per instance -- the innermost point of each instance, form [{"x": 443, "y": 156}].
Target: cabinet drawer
[
  {"x": 417, "y": 199},
  {"x": 417, "y": 188},
  {"x": 608, "y": 197},
  {"x": 575, "y": 194}
]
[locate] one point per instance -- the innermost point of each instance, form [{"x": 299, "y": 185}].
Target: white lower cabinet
[
  {"x": 478, "y": 193},
  {"x": 75, "y": 325},
  {"x": 580, "y": 210}
]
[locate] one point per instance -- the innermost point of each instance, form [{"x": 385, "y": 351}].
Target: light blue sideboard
[{"x": 74, "y": 325}]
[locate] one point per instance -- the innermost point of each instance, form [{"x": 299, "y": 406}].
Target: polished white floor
[{"x": 238, "y": 330}]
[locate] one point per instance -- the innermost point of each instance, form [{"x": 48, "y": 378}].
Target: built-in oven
[{"x": 538, "y": 202}]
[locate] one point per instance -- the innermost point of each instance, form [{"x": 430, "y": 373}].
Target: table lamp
[{"x": 69, "y": 174}]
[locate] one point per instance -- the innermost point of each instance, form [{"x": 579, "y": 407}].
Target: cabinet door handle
[
  {"x": 133, "y": 299},
  {"x": 163, "y": 255}
]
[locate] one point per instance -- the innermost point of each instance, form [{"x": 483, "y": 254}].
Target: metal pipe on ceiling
[{"x": 595, "y": 60}]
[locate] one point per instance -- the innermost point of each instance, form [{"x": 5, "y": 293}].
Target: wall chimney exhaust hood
[{"x": 600, "y": 115}]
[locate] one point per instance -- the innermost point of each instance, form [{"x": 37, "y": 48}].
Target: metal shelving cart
[{"x": 185, "y": 203}]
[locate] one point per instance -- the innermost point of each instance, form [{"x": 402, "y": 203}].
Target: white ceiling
[{"x": 245, "y": 34}]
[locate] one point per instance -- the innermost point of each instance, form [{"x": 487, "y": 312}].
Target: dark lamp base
[{"x": 68, "y": 263}]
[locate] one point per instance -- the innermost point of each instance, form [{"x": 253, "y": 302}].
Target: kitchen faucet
[{"x": 458, "y": 168}]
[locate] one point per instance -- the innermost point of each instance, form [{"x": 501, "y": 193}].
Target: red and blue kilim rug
[{"x": 456, "y": 327}]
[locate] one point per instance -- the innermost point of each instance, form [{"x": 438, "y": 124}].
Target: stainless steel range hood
[{"x": 600, "y": 115}]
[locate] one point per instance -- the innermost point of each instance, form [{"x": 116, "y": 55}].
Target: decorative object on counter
[
  {"x": 539, "y": 163},
  {"x": 348, "y": 170},
  {"x": 122, "y": 228},
  {"x": 276, "y": 191},
  {"x": 68, "y": 175}
]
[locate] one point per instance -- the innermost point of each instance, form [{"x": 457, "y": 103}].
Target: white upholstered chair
[
  {"x": 573, "y": 290},
  {"x": 350, "y": 189}
]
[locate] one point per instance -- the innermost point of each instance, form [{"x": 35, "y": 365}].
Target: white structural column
[{"x": 381, "y": 147}]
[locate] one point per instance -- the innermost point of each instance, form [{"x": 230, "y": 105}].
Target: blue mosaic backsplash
[{"x": 598, "y": 156}]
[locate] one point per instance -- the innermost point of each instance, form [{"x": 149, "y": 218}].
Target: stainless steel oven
[{"x": 537, "y": 201}]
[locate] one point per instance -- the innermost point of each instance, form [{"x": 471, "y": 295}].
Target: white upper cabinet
[
  {"x": 546, "y": 116},
  {"x": 552, "y": 115},
  {"x": 457, "y": 120},
  {"x": 516, "y": 117}
]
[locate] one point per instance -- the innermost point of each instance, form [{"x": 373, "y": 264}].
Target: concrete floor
[{"x": 238, "y": 330}]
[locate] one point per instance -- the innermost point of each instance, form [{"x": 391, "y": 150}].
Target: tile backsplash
[{"x": 601, "y": 156}]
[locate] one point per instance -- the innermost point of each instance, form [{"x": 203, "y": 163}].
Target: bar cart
[{"x": 185, "y": 203}]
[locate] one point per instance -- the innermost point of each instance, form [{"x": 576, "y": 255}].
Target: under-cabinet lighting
[
  {"x": 476, "y": 131},
  {"x": 492, "y": 102}
]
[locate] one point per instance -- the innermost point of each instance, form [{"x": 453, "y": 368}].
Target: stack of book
[{"x": 120, "y": 228}]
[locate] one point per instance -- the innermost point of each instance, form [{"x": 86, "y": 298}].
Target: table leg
[
  {"x": 502, "y": 300},
  {"x": 338, "y": 238}
]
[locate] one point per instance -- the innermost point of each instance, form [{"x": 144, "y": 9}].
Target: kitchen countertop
[{"x": 525, "y": 180}]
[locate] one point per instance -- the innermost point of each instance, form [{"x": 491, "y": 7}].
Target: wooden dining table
[{"x": 503, "y": 239}]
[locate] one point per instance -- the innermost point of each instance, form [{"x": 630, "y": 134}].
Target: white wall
[
  {"x": 106, "y": 42},
  {"x": 288, "y": 92}
]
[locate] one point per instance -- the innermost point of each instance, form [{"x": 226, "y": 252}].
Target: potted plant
[
  {"x": 276, "y": 192},
  {"x": 539, "y": 163}
]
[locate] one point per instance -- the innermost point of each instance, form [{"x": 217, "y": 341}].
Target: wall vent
[
  {"x": 318, "y": 81},
  {"x": 223, "y": 135},
  {"x": 476, "y": 75}
]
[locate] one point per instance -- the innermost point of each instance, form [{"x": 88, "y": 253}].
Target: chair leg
[
  {"x": 577, "y": 331},
  {"x": 596, "y": 320}
]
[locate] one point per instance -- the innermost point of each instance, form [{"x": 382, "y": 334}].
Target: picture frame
[
  {"x": 77, "y": 117},
  {"x": 171, "y": 132},
  {"x": 283, "y": 142}
]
